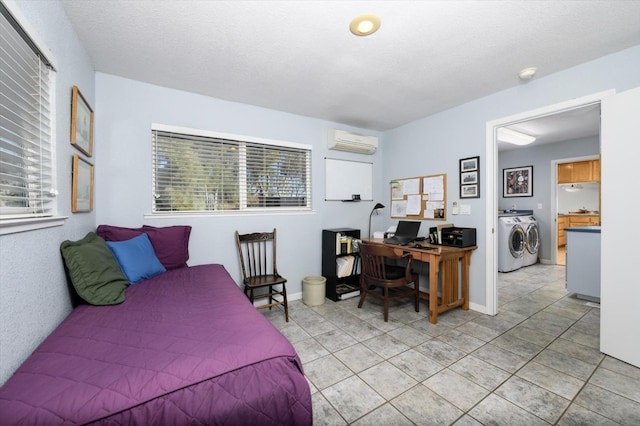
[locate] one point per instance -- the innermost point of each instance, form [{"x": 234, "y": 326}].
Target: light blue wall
[
  {"x": 33, "y": 292},
  {"x": 127, "y": 109},
  {"x": 436, "y": 143},
  {"x": 540, "y": 158}
]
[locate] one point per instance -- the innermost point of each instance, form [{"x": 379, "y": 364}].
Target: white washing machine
[
  {"x": 511, "y": 239},
  {"x": 531, "y": 240}
]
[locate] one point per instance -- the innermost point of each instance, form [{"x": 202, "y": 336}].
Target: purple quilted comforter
[{"x": 185, "y": 347}]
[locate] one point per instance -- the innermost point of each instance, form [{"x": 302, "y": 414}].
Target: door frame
[{"x": 492, "y": 179}]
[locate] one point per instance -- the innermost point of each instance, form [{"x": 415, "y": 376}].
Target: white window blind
[
  {"x": 200, "y": 173},
  {"x": 26, "y": 158}
]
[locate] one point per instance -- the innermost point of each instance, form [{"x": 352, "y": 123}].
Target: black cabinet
[{"x": 341, "y": 262}]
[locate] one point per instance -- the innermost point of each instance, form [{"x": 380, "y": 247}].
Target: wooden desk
[{"x": 445, "y": 259}]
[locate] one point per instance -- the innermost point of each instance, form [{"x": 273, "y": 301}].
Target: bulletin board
[{"x": 420, "y": 198}]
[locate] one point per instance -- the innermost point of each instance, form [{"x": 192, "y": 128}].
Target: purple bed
[{"x": 185, "y": 347}]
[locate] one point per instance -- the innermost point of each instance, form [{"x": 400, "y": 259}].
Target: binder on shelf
[{"x": 338, "y": 241}]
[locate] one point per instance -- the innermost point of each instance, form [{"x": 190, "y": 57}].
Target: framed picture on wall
[
  {"x": 81, "y": 123},
  {"x": 518, "y": 182},
  {"x": 82, "y": 185},
  {"x": 469, "y": 164},
  {"x": 470, "y": 177},
  {"x": 469, "y": 191}
]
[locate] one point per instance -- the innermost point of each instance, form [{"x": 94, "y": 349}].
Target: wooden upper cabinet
[
  {"x": 565, "y": 172},
  {"x": 595, "y": 170},
  {"x": 579, "y": 171}
]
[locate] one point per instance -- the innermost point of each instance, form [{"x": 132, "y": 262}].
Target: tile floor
[{"x": 535, "y": 363}]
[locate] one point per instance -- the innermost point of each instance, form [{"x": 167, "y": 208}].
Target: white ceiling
[
  {"x": 299, "y": 56},
  {"x": 576, "y": 123}
]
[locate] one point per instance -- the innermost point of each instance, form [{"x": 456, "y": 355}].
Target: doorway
[
  {"x": 493, "y": 181},
  {"x": 577, "y": 198}
]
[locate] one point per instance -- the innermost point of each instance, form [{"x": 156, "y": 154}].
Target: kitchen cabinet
[
  {"x": 582, "y": 220},
  {"x": 579, "y": 171},
  {"x": 562, "y": 235},
  {"x": 572, "y": 221}
]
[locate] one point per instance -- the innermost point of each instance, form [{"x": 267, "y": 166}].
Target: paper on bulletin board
[
  {"x": 434, "y": 186},
  {"x": 434, "y": 210},
  {"x": 411, "y": 186},
  {"x": 396, "y": 190},
  {"x": 414, "y": 204},
  {"x": 399, "y": 208}
]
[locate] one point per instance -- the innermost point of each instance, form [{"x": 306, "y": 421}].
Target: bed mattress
[{"x": 186, "y": 346}]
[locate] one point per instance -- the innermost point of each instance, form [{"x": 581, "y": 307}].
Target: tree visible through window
[{"x": 198, "y": 173}]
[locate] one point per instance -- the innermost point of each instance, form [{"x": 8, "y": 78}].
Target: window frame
[
  {"x": 13, "y": 223},
  {"x": 242, "y": 182}
]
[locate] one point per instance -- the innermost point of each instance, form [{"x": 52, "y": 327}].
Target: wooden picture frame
[
  {"x": 470, "y": 177},
  {"x": 82, "y": 185},
  {"x": 517, "y": 182},
  {"x": 81, "y": 123}
]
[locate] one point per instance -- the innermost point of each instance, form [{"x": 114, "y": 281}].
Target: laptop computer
[{"x": 406, "y": 232}]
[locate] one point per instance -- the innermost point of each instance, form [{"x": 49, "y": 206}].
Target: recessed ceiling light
[
  {"x": 364, "y": 25},
  {"x": 527, "y": 73}
]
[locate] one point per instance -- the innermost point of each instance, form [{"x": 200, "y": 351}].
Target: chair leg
[
  {"x": 416, "y": 284},
  {"x": 363, "y": 295},
  {"x": 270, "y": 296},
  {"x": 386, "y": 304},
  {"x": 286, "y": 306}
]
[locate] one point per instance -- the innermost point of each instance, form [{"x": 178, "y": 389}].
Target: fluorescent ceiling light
[{"x": 516, "y": 138}]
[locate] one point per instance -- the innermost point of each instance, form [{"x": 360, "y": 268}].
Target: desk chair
[
  {"x": 394, "y": 283},
  {"x": 257, "y": 253}
]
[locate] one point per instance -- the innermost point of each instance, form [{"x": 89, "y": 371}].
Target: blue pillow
[{"x": 136, "y": 258}]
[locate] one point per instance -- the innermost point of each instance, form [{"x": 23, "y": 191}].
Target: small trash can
[{"x": 313, "y": 290}]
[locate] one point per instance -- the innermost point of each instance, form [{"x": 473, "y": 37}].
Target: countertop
[
  {"x": 579, "y": 214},
  {"x": 590, "y": 228},
  {"x": 506, "y": 213}
]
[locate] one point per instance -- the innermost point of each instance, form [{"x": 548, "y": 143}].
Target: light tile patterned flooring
[{"x": 535, "y": 363}]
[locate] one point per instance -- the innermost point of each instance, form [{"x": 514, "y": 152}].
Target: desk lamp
[{"x": 377, "y": 207}]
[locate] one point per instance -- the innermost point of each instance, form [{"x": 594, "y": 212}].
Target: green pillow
[{"x": 93, "y": 270}]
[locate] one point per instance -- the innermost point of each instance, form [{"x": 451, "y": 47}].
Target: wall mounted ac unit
[{"x": 342, "y": 140}]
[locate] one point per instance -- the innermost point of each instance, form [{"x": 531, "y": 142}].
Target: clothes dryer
[
  {"x": 531, "y": 240},
  {"x": 511, "y": 239}
]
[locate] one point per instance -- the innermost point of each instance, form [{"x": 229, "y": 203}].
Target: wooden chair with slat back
[
  {"x": 393, "y": 282},
  {"x": 257, "y": 253}
]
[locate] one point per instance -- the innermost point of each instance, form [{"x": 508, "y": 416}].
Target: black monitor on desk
[{"x": 406, "y": 231}]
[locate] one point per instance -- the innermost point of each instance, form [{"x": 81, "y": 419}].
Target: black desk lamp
[{"x": 375, "y": 208}]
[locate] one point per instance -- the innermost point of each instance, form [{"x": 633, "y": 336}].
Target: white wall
[
  {"x": 123, "y": 192},
  {"x": 436, "y": 143},
  {"x": 34, "y": 297},
  {"x": 586, "y": 198}
]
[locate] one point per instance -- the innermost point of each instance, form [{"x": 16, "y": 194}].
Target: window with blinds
[
  {"x": 205, "y": 172},
  {"x": 26, "y": 157}
]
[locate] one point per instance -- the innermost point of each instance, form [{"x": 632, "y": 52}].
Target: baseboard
[{"x": 478, "y": 308}]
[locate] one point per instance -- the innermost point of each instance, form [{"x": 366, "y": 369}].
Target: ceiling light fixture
[
  {"x": 364, "y": 25},
  {"x": 574, "y": 187},
  {"x": 527, "y": 73},
  {"x": 516, "y": 138}
]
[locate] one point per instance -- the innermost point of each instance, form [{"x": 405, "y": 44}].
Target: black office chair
[
  {"x": 257, "y": 253},
  {"x": 394, "y": 282}
]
